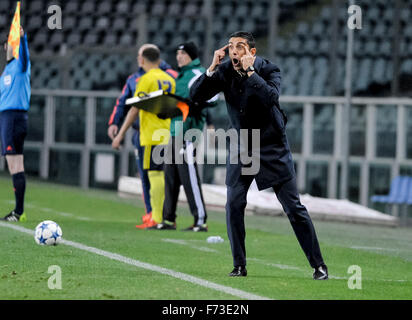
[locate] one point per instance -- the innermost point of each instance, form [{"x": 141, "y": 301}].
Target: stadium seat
[
  {"x": 70, "y": 23},
  {"x": 199, "y": 26},
  {"x": 242, "y": 11},
  {"x": 218, "y": 27},
  {"x": 35, "y": 21},
  {"x": 295, "y": 46},
  {"x": 123, "y": 7},
  {"x": 325, "y": 14},
  {"x": 159, "y": 40},
  {"x": 232, "y": 26},
  {"x": 249, "y": 25},
  {"x": 102, "y": 23},
  {"x": 409, "y": 193},
  {"x": 139, "y": 8},
  {"x": 318, "y": 30},
  {"x": 126, "y": 40},
  {"x": 225, "y": 11},
  {"x": 71, "y": 7},
  {"x": 104, "y": 8},
  {"x": 185, "y": 26},
  {"x": 406, "y": 67},
  {"x": 88, "y": 7},
  {"x": 110, "y": 40},
  {"x": 405, "y": 15},
  {"x": 385, "y": 49},
  {"x": 302, "y": 30},
  {"x": 57, "y": 38},
  {"x": 36, "y": 7},
  {"x": 4, "y": 7},
  {"x": 74, "y": 39},
  {"x": 191, "y": 9},
  {"x": 398, "y": 193},
  {"x": 158, "y": 9},
  {"x": 310, "y": 47},
  {"x": 3, "y": 20},
  {"x": 85, "y": 24},
  {"x": 324, "y": 47},
  {"x": 91, "y": 39},
  {"x": 153, "y": 24},
  {"x": 380, "y": 31},
  {"x": 119, "y": 24},
  {"x": 370, "y": 48},
  {"x": 40, "y": 38},
  {"x": 258, "y": 12},
  {"x": 174, "y": 9}
]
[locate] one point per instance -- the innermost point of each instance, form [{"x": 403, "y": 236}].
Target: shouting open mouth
[{"x": 236, "y": 62}]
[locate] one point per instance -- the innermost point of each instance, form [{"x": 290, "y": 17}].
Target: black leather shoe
[
  {"x": 321, "y": 273},
  {"x": 239, "y": 271}
]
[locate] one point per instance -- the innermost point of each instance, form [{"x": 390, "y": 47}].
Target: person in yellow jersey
[{"x": 151, "y": 127}]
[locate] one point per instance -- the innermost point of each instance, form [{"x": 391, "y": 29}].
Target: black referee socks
[{"x": 19, "y": 183}]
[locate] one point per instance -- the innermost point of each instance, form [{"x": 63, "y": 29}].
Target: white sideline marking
[
  {"x": 60, "y": 213},
  {"x": 179, "y": 275},
  {"x": 271, "y": 264},
  {"x": 374, "y": 248},
  {"x": 276, "y": 265},
  {"x": 184, "y": 243}
]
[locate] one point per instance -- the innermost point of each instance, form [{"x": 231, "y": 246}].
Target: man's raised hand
[
  {"x": 248, "y": 59},
  {"x": 218, "y": 57}
]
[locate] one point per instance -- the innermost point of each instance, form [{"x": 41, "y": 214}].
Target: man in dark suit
[{"x": 251, "y": 87}]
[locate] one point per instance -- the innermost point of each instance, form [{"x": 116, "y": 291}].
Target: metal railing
[{"x": 303, "y": 156}]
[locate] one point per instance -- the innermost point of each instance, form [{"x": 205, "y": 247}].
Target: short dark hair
[
  {"x": 151, "y": 54},
  {"x": 248, "y": 36}
]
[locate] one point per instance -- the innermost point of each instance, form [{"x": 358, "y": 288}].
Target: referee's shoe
[{"x": 14, "y": 217}]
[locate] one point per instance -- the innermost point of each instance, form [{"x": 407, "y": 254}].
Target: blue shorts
[{"x": 13, "y": 131}]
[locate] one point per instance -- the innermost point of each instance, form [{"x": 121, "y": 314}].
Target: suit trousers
[{"x": 299, "y": 218}]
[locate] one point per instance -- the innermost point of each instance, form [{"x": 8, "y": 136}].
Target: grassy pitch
[{"x": 277, "y": 268}]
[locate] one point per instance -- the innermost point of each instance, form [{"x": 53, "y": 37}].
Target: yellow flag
[{"x": 14, "y": 35}]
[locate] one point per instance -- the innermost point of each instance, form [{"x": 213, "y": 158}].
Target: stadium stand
[{"x": 304, "y": 40}]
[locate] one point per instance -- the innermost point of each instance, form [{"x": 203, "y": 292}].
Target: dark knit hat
[{"x": 190, "y": 48}]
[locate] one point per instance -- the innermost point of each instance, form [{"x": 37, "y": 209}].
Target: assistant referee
[{"x": 15, "y": 93}]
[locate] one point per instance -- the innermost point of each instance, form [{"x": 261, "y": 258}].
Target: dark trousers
[
  {"x": 142, "y": 172},
  {"x": 186, "y": 174},
  {"x": 299, "y": 218}
]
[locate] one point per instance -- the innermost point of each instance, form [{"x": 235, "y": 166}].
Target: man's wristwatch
[{"x": 250, "y": 69}]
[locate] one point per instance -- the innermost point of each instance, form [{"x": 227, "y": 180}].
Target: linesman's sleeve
[{"x": 24, "y": 54}]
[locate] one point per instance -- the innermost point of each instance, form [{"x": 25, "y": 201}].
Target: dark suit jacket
[{"x": 253, "y": 103}]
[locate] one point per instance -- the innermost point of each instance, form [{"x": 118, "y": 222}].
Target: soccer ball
[{"x": 48, "y": 233}]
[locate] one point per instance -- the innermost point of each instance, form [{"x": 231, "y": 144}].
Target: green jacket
[{"x": 187, "y": 76}]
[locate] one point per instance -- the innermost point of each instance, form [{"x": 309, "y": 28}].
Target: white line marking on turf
[
  {"x": 276, "y": 265},
  {"x": 267, "y": 263},
  {"x": 49, "y": 210},
  {"x": 374, "y": 248},
  {"x": 178, "y": 275},
  {"x": 184, "y": 242}
]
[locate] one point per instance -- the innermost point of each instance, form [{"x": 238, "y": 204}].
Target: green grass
[{"x": 103, "y": 220}]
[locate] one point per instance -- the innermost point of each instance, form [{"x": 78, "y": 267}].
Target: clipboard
[{"x": 163, "y": 104}]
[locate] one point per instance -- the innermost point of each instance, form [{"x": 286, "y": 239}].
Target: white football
[{"x": 48, "y": 233}]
